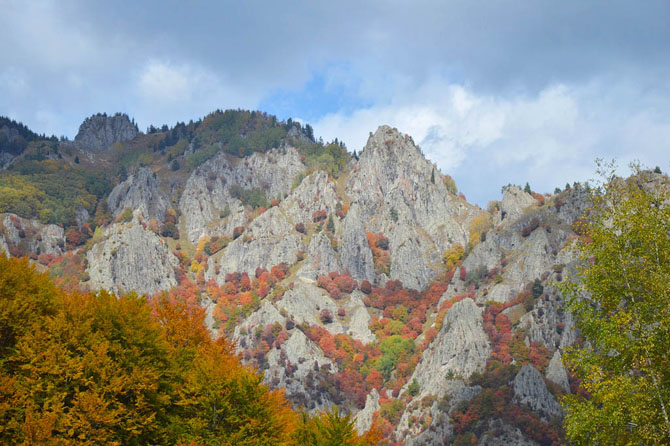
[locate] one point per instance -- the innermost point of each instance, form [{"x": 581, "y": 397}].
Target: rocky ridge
[
  {"x": 315, "y": 224},
  {"x": 100, "y": 131}
]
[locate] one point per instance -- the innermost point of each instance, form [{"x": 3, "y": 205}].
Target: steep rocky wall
[
  {"x": 140, "y": 191},
  {"x": 98, "y": 132},
  {"x": 131, "y": 258},
  {"x": 26, "y": 236}
]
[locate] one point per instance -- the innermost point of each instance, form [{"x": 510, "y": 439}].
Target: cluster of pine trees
[{"x": 96, "y": 369}]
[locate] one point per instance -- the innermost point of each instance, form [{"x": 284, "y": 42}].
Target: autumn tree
[
  {"x": 332, "y": 428},
  {"x": 621, "y": 303}
]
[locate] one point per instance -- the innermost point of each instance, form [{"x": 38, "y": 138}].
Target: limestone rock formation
[
  {"x": 26, "y": 236},
  {"x": 290, "y": 365},
  {"x": 305, "y": 303},
  {"x": 460, "y": 348},
  {"x": 139, "y": 191},
  {"x": 403, "y": 195},
  {"x": 359, "y": 319},
  {"x": 316, "y": 192},
  {"x": 269, "y": 241},
  {"x": 321, "y": 258},
  {"x": 556, "y": 372},
  {"x": 131, "y": 258},
  {"x": 355, "y": 254},
  {"x": 502, "y": 434},
  {"x": 363, "y": 419},
  {"x": 4, "y": 249},
  {"x": 100, "y": 131},
  {"x": 530, "y": 389},
  {"x": 514, "y": 201},
  {"x": 207, "y": 203}
]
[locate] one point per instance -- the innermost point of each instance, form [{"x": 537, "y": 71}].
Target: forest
[{"x": 94, "y": 368}]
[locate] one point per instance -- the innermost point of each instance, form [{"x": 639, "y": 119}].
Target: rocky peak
[
  {"x": 139, "y": 191},
  {"x": 514, "y": 201},
  {"x": 389, "y": 160},
  {"x": 530, "y": 389},
  {"x": 100, "y": 131}
]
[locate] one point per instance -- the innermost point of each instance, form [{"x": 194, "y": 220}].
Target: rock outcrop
[
  {"x": 100, "y": 131},
  {"x": 321, "y": 258},
  {"x": 25, "y": 236},
  {"x": 208, "y": 205},
  {"x": 269, "y": 241},
  {"x": 363, "y": 419},
  {"x": 4, "y": 249},
  {"x": 502, "y": 434},
  {"x": 530, "y": 389},
  {"x": 140, "y": 191},
  {"x": 514, "y": 201},
  {"x": 290, "y": 365},
  {"x": 131, "y": 259},
  {"x": 305, "y": 302},
  {"x": 460, "y": 349},
  {"x": 556, "y": 372},
  {"x": 403, "y": 195},
  {"x": 355, "y": 254}
]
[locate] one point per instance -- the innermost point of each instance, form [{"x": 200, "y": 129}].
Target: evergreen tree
[{"x": 527, "y": 189}]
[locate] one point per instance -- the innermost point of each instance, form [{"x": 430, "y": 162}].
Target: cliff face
[
  {"x": 404, "y": 196},
  {"x": 366, "y": 310},
  {"x": 140, "y": 191},
  {"x": 131, "y": 258},
  {"x": 98, "y": 132},
  {"x": 21, "y": 236}
]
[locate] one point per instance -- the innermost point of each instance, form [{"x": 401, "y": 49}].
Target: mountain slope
[{"x": 366, "y": 281}]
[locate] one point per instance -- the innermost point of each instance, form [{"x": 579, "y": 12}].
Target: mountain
[{"x": 364, "y": 281}]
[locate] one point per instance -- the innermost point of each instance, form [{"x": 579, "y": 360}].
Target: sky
[{"x": 493, "y": 92}]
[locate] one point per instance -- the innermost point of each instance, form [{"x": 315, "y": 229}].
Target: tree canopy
[
  {"x": 96, "y": 369},
  {"x": 621, "y": 304}
]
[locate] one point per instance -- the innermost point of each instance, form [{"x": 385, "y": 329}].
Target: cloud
[
  {"x": 494, "y": 92},
  {"x": 168, "y": 92},
  {"x": 161, "y": 82},
  {"x": 486, "y": 141}
]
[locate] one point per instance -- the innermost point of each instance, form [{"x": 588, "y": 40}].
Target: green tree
[
  {"x": 331, "y": 224},
  {"x": 527, "y": 189},
  {"x": 621, "y": 303}
]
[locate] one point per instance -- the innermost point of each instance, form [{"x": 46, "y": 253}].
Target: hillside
[{"x": 358, "y": 279}]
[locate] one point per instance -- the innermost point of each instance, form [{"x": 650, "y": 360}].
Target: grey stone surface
[
  {"x": 530, "y": 390},
  {"x": 140, "y": 191},
  {"x": 131, "y": 259},
  {"x": 98, "y": 132}
]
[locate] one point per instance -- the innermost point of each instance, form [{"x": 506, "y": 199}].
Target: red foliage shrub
[
  {"x": 319, "y": 216},
  {"x": 345, "y": 283},
  {"x": 365, "y": 287},
  {"x": 280, "y": 271},
  {"x": 326, "y": 316},
  {"x": 237, "y": 231}
]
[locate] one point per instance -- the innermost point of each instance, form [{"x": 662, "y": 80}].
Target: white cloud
[
  {"x": 485, "y": 142},
  {"x": 170, "y": 91},
  {"x": 163, "y": 82}
]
